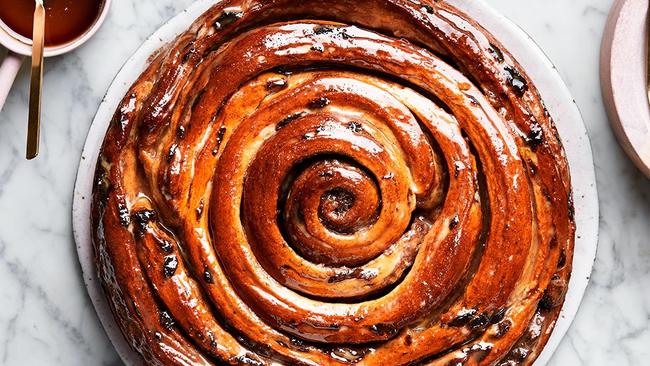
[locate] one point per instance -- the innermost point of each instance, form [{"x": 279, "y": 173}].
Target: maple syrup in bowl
[{"x": 68, "y": 23}]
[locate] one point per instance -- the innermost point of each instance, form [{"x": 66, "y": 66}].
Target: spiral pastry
[{"x": 329, "y": 183}]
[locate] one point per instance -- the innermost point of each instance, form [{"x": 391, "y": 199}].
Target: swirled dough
[{"x": 332, "y": 182}]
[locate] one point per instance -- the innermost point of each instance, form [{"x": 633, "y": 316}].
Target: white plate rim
[{"x": 554, "y": 92}]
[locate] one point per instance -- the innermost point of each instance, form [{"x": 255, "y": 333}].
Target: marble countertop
[{"x": 46, "y": 316}]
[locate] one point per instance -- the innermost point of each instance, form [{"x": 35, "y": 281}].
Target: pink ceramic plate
[{"x": 623, "y": 72}]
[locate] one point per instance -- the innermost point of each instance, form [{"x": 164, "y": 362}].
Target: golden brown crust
[{"x": 309, "y": 182}]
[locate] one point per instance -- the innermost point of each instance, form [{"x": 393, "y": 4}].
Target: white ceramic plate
[{"x": 555, "y": 94}]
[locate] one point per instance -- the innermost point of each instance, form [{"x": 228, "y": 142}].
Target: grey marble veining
[{"x": 46, "y": 317}]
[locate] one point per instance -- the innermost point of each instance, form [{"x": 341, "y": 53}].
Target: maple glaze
[{"x": 66, "y": 20}]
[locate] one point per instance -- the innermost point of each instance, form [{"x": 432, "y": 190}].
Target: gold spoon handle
[{"x": 33, "y": 127}]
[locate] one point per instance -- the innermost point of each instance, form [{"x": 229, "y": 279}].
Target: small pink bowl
[
  {"x": 623, "y": 72},
  {"x": 19, "y": 47}
]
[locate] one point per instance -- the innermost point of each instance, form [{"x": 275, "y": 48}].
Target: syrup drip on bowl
[{"x": 66, "y": 20}]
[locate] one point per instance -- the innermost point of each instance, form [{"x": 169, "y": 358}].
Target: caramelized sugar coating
[{"x": 326, "y": 183}]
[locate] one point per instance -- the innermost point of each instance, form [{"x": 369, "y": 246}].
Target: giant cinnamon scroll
[{"x": 332, "y": 182}]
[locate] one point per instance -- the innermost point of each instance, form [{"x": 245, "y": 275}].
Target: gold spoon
[{"x": 38, "y": 42}]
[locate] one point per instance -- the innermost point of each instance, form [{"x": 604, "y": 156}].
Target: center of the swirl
[
  {"x": 334, "y": 210},
  {"x": 328, "y": 204}
]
